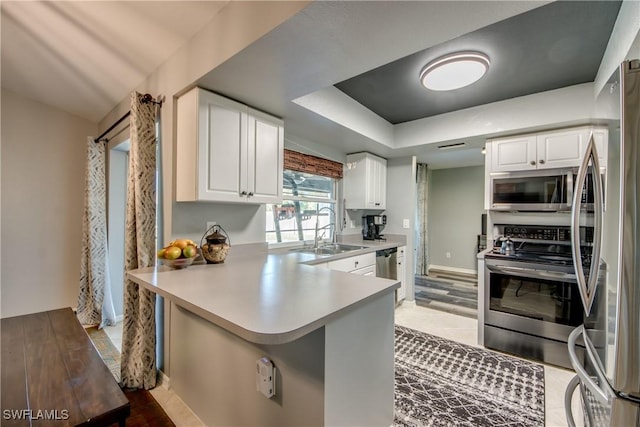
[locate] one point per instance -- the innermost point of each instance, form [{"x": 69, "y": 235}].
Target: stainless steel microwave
[{"x": 538, "y": 191}]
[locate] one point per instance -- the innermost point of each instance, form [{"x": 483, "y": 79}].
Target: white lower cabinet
[
  {"x": 364, "y": 264},
  {"x": 401, "y": 274},
  {"x": 369, "y": 270}
]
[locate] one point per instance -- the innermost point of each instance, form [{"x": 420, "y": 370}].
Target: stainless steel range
[{"x": 532, "y": 301}]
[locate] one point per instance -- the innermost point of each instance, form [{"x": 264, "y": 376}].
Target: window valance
[{"x": 300, "y": 162}]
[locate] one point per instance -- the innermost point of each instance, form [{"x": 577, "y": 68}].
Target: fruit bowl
[
  {"x": 178, "y": 263},
  {"x": 178, "y": 254}
]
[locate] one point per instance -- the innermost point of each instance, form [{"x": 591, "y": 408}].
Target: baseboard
[
  {"x": 444, "y": 268},
  {"x": 410, "y": 303},
  {"x": 163, "y": 380}
]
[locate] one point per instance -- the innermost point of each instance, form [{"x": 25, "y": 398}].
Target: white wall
[
  {"x": 455, "y": 207},
  {"x": 236, "y": 26},
  {"x": 401, "y": 205},
  {"x": 43, "y": 173}
]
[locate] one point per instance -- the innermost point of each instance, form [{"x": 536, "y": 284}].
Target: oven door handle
[{"x": 532, "y": 273}]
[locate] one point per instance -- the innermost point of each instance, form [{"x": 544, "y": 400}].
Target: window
[{"x": 307, "y": 198}]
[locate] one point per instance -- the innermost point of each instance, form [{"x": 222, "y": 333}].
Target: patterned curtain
[
  {"x": 422, "y": 262},
  {"x": 95, "y": 305},
  {"x": 138, "y": 360}
]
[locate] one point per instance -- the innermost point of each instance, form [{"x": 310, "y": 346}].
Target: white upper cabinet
[
  {"x": 554, "y": 149},
  {"x": 601, "y": 138},
  {"x": 265, "y": 150},
  {"x": 365, "y": 182},
  {"x": 514, "y": 154},
  {"x": 226, "y": 151}
]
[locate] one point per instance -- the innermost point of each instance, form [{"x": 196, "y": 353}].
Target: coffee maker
[{"x": 372, "y": 226}]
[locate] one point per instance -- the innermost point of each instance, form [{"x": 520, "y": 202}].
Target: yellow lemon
[
  {"x": 181, "y": 243},
  {"x": 172, "y": 252}
]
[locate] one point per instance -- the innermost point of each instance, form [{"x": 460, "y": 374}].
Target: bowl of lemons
[{"x": 178, "y": 254}]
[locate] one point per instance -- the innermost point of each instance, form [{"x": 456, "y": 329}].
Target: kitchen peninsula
[{"x": 329, "y": 334}]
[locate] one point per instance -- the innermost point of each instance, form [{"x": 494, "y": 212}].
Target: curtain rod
[{"x": 146, "y": 99}]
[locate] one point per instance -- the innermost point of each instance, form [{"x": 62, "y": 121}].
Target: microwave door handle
[{"x": 569, "y": 188}]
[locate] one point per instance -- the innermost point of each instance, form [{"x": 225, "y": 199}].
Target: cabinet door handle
[
  {"x": 356, "y": 263},
  {"x": 250, "y": 194},
  {"x": 541, "y": 161},
  {"x": 533, "y": 162},
  {"x": 243, "y": 193}
]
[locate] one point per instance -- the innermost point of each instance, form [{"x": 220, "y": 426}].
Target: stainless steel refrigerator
[{"x": 608, "y": 377}]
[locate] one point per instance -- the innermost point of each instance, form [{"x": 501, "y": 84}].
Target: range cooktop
[{"x": 548, "y": 245}]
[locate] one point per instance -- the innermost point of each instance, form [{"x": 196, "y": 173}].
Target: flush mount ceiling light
[{"x": 454, "y": 71}]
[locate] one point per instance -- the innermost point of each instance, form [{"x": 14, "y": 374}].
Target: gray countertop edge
[
  {"x": 484, "y": 252},
  {"x": 279, "y": 337},
  {"x": 247, "y": 334}
]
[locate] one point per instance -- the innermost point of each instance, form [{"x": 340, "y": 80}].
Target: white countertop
[{"x": 270, "y": 298}]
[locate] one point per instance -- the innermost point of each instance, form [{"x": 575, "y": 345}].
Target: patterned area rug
[
  {"x": 108, "y": 351},
  {"x": 444, "y": 383}
]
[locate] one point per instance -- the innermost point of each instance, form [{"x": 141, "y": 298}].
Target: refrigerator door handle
[
  {"x": 568, "y": 395},
  {"x": 585, "y": 378},
  {"x": 587, "y": 287}
]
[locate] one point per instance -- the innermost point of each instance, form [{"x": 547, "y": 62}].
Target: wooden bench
[{"x": 52, "y": 375}]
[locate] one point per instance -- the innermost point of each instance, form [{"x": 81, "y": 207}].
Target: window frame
[{"x": 332, "y": 202}]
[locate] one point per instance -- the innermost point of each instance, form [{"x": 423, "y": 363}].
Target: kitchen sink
[{"x": 328, "y": 249}]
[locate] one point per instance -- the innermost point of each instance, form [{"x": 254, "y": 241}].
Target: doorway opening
[{"x": 118, "y": 169}]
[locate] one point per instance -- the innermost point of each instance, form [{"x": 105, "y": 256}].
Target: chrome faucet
[{"x": 331, "y": 224}]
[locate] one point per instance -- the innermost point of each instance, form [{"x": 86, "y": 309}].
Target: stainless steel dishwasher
[{"x": 386, "y": 263}]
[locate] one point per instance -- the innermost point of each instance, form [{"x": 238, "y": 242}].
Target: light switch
[{"x": 405, "y": 223}]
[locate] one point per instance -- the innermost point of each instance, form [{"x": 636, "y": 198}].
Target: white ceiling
[{"x": 86, "y": 56}]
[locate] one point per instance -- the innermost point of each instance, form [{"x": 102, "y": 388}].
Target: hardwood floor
[{"x": 455, "y": 293}]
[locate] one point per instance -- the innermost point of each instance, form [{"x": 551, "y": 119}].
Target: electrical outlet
[
  {"x": 405, "y": 223},
  {"x": 210, "y": 224},
  {"x": 352, "y": 224},
  {"x": 448, "y": 254}
]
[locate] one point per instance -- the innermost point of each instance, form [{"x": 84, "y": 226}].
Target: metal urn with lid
[{"x": 216, "y": 249}]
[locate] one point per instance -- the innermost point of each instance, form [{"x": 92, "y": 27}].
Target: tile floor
[
  {"x": 465, "y": 330},
  {"x": 457, "y": 328}
]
